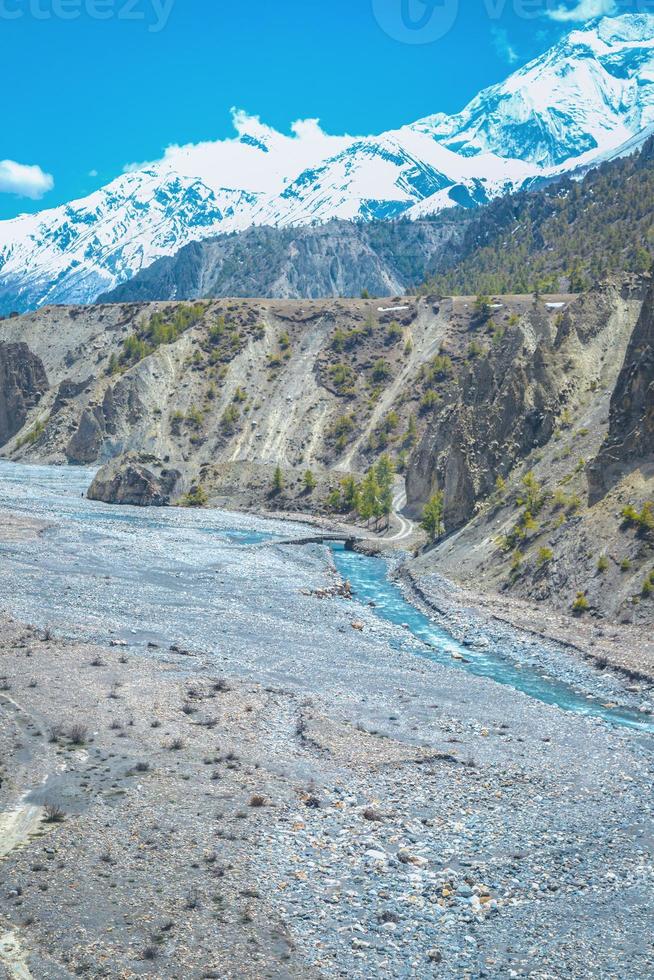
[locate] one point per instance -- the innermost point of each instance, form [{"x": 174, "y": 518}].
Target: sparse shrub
[
  {"x": 176, "y": 745},
  {"x": 516, "y": 563},
  {"x": 53, "y": 813},
  {"x": 342, "y": 427},
  {"x": 192, "y": 901},
  {"x": 78, "y": 734},
  {"x": 581, "y": 604},
  {"x": 32, "y": 436},
  {"x": 343, "y": 379},
  {"x": 229, "y": 418},
  {"x": 257, "y": 801},
  {"x": 195, "y": 417},
  {"x": 625, "y": 565},
  {"x": 394, "y": 333},
  {"x": 56, "y": 733},
  {"x": 196, "y": 497},
  {"x": 603, "y": 564},
  {"x": 643, "y": 520},
  {"x": 381, "y": 371},
  {"x": 429, "y": 401},
  {"x": 545, "y": 556}
]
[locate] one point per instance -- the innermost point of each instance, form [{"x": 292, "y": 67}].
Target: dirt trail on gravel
[{"x": 18, "y": 826}]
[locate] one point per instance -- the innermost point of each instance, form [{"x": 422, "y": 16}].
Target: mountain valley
[{"x": 493, "y": 401}]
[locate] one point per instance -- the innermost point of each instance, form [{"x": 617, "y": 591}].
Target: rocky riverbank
[{"x": 614, "y": 664}]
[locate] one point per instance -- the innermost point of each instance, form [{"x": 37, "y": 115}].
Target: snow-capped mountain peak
[
  {"x": 588, "y": 94},
  {"x": 587, "y": 98}
]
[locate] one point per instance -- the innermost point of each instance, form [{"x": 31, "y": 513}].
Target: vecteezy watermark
[
  {"x": 416, "y": 21},
  {"x": 153, "y": 14},
  {"x": 426, "y": 21}
]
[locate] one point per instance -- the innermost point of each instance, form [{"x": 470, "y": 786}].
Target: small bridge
[{"x": 349, "y": 540}]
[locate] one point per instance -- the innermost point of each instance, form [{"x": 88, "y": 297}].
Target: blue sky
[{"x": 92, "y": 85}]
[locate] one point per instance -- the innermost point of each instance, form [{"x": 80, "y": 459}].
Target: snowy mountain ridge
[{"x": 588, "y": 98}]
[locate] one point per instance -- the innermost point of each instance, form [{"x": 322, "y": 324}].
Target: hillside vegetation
[{"x": 562, "y": 237}]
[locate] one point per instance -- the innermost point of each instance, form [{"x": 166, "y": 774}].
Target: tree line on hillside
[{"x": 562, "y": 237}]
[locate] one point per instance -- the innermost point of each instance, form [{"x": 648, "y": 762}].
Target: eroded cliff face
[
  {"x": 503, "y": 407},
  {"x": 577, "y": 538},
  {"x": 105, "y": 427},
  {"x": 630, "y": 440},
  {"x": 510, "y": 403},
  {"x": 23, "y": 382}
]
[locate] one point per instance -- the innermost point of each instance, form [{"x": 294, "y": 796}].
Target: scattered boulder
[{"x": 137, "y": 480}]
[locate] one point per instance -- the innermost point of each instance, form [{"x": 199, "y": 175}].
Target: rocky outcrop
[
  {"x": 503, "y": 407},
  {"x": 85, "y": 445},
  {"x": 23, "y": 382},
  {"x": 68, "y": 391},
  {"x": 630, "y": 440},
  {"x": 138, "y": 480},
  {"x": 121, "y": 407}
]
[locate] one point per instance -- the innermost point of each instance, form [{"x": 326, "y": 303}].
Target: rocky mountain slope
[
  {"x": 329, "y": 384},
  {"x": 339, "y": 258},
  {"x": 588, "y": 98},
  {"x": 559, "y": 510},
  {"x": 561, "y": 236}
]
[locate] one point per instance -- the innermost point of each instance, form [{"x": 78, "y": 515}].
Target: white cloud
[
  {"x": 583, "y": 10},
  {"x": 23, "y": 180},
  {"x": 503, "y": 46},
  {"x": 93, "y": 173},
  {"x": 258, "y": 159}
]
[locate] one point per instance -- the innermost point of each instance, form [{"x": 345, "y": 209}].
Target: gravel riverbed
[{"x": 289, "y": 790}]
